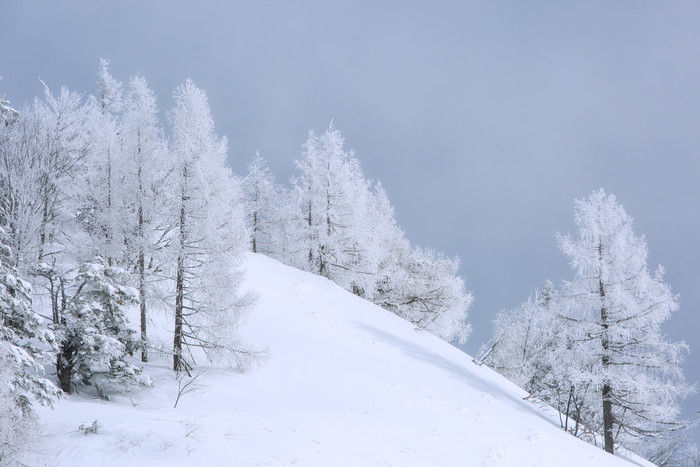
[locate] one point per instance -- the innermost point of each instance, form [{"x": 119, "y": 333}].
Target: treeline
[
  {"x": 104, "y": 211},
  {"x": 594, "y": 350}
]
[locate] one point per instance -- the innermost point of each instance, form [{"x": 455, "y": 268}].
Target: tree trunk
[
  {"x": 178, "y": 364},
  {"x": 142, "y": 305},
  {"x": 179, "y": 299},
  {"x": 255, "y": 231},
  {"x": 142, "y": 259},
  {"x": 607, "y": 419},
  {"x": 64, "y": 368},
  {"x": 607, "y": 388}
]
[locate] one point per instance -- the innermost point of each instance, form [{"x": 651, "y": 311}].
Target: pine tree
[
  {"x": 25, "y": 339},
  {"x": 24, "y": 346},
  {"x": 93, "y": 332},
  {"x": 618, "y": 306}
]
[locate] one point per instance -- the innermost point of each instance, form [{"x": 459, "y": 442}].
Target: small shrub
[{"x": 90, "y": 429}]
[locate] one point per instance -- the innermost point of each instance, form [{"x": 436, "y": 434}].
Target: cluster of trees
[
  {"x": 101, "y": 214},
  {"x": 594, "y": 349},
  {"x": 335, "y": 223}
]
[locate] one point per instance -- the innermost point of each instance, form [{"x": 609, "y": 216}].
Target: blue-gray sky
[{"x": 483, "y": 120}]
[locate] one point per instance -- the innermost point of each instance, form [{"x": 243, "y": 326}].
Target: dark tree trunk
[
  {"x": 142, "y": 306},
  {"x": 607, "y": 388},
  {"x": 178, "y": 364},
  {"x": 255, "y": 231},
  {"x": 64, "y": 367},
  {"x": 142, "y": 261},
  {"x": 179, "y": 302}
]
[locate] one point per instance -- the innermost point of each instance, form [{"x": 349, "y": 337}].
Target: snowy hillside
[{"x": 345, "y": 383}]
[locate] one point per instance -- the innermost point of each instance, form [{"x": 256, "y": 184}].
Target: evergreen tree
[
  {"x": 24, "y": 342},
  {"x": 93, "y": 332},
  {"x": 23, "y": 337}
]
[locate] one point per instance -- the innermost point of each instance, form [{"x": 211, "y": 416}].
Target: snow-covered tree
[
  {"x": 265, "y": 208},
  {"x": 18, "y": 423},
  {"x": 348, "y": 233},
  {"x": 93, "y": 332},
  {"x": 533, "y": 347},
  {"x": 523, "y": 339},
  {"x": 148, "y": 175},
  {"x": 7, "y": 113},
  {"x": 23, "y": 340},
  {"x": 423, "y": 287},
  {"x": 616, "y": 306},
  {"x": 332, "y": 193},
  {"x": 38, "y": 168},
  {"x": 23, "y": 335},
  {"x": 101, "y": 203},
  {"x": 211, "y": 237}
]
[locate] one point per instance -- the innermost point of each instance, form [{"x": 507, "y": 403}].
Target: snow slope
[{"x": 345, "y": 384}]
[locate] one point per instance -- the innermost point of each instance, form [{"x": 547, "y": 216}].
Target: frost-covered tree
[
  {"x": 332, "y": 193},
  {"x": 24, "y": 341},
  {"x": 45, "y": 149},
  {"x": 23, "y": 335},
  {"x": 265, "y": 207},
  {"x": 19, "y": 426},
  {"x": 211, "y": 237},
  {"x": 101, "y": 204},
  {"x": 523, "y": 340},
  {"x": 7, "y": 113},
  {"x": 148, "y": 175},
  {"x": 423, "y": 287},
  {"x": 533, "y": 347},
  {"x": 348, "y": 233},
  {"x": 616, "y": 306},
  {"x": 93, "y": 332}
]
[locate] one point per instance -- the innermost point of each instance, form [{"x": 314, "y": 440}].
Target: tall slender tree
[
  {"x": 618, "y": 306},
  {"x": 265, "y": 205},
  {"x": 211, "y": 237},
  {"x": 148, "y": 174},
  {"x": 102, "y": 200}
]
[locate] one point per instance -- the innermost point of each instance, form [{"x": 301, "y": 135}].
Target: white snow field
[{"x": 345, "y": 384}]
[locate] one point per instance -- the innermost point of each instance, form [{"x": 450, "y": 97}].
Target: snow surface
[{"x": 345, "y": 384}]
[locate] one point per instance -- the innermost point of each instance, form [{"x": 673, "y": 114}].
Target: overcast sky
[{"x": 483, "y": 120}]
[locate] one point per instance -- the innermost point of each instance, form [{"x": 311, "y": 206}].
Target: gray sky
[{"x": 483, "y": 120}]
